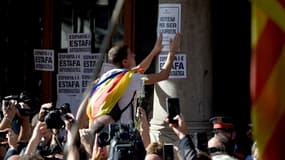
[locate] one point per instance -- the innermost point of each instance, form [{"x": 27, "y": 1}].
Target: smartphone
[
  {"x": 168, "y": 152},
  {"x": 173, "y": 109}
]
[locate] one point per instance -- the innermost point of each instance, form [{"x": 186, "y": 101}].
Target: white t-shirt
[{"x": 134, "y": 86}]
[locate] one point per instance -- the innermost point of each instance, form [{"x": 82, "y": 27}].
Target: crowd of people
[{"x": 29, "y": 130}]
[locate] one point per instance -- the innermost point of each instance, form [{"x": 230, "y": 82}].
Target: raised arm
[
  {"x": 145, "y": 63},
  {"x": 185, "y": 144},
  {"x": 164, "y": 73}
]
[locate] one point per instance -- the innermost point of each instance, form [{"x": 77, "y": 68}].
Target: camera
[
  {"x": 26, "y": 98},
  {"x": 54, "y": 118},
  {"x": 124, "y": 140},
  {"x": 18, "y": 100}
]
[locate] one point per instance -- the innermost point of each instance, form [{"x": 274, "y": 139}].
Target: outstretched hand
[
  {"x": 180, "y": 129},
  {"x": 174, "y": 43},
  {"x": 158, "y": 44}
]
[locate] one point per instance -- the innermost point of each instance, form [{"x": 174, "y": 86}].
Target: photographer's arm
[
  {"x": 13, "y": 145},
  {"x": 144, "y": 126},
  {"x": 9, "y": 111},
  {"x": 25, "y": 129},
  {"x": 40, "y": 131},
  {"x": 70, "y": 149}
]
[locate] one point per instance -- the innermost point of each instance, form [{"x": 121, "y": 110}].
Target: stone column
[{"x": 194, "y": 91}]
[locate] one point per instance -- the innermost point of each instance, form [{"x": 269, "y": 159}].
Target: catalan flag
[
  {"x": 268, "y": 78},
  {"x": 107, "y": 92}
]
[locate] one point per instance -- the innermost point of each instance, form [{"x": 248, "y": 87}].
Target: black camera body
[
  {"x": 55, "y": 117},
  {"x": 18, "y": 100},
  {"x": 124, "y": 140}
]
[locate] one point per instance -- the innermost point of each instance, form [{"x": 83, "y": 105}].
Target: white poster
[
  {"x": 89, "y": 62},
  {"x": 178, "y": 69},
  {"x": 69, "y": 84},
  {"x": 79, "y": 42},
  {"x": 73, "y": 100},
  {"x": 44, "y": 59},
  {"x": 69, "y": 63},
  {"x": 169, "y": 22},
  {"x": 86, "y": 79}
]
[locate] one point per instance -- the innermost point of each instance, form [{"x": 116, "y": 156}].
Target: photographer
[
  {"x": 54, "y": 119},
  {"x": 17, "y": 112}
]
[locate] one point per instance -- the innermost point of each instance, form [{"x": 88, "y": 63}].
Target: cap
[{"x": 221, "y": 122}]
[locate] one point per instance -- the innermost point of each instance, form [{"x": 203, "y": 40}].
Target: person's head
[
  {"x": 121, "y": 56},
  {"x": 153, "y": 157},
  {"x": 224, "y": 125},
  {"x": 14, "y": 157},
  {"x": 220, "y": 144},
  {"x": 154, "y": 151}
]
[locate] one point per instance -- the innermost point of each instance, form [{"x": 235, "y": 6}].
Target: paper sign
[
  {"x": 79, "y": 42},
  {"x": 68, "y": 84},
  {"x": 178, "y": 69},
  {"x": 169, "y": 21},
  {"x": 44, "y": 59}
]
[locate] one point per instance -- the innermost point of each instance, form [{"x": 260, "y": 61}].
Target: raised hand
[{"x": 174, "y": 43}]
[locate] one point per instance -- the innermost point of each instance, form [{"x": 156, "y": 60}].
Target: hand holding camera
[
  {"x": 43, "y": 111},
  {"x": 55, "y": 117},
  {"x": 9, "y": 110},
  {"x": 19, "y": 105}
]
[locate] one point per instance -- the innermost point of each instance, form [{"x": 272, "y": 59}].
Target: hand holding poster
[{"x": 169, "y": 20}]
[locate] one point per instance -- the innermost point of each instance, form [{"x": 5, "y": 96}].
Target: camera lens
[
  {"x": 103, "y": 139},
  {"x": 53, "y": 120}
]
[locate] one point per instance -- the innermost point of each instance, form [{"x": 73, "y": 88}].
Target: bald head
[
  {"x": 220, "y": 143},
  {"x": 152, "y": 157}
]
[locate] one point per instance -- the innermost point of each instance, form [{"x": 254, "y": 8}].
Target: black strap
[
  {"x": 117, "y": 112},
  {"x": 130, "y": 103}
]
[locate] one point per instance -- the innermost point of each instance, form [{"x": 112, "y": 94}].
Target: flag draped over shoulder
[
  {"x": 268, "y": 77},
  {"x": 107, "y": 92}
]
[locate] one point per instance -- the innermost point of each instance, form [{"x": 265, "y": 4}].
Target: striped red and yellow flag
[{"x": 268, "y": 77}]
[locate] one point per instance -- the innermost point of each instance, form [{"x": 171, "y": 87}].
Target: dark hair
[{"x": 117, "y": 54}]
